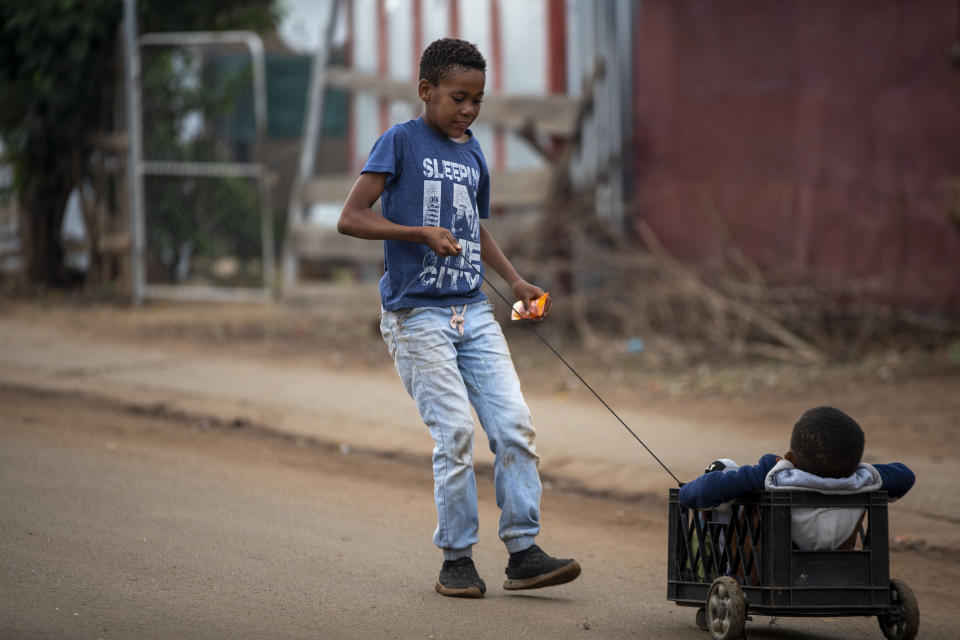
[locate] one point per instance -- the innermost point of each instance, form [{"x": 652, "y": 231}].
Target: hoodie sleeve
[
  {"x": 712, "y": 489},
  {"x": 897, "y": 478}
]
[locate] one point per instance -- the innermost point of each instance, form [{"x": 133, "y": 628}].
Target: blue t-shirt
[{"x": 431, "y": 180}]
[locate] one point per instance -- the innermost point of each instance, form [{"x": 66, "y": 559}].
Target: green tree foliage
[
  {"x": 53, "y": 60},
  {"x": 57, "y": 70}
]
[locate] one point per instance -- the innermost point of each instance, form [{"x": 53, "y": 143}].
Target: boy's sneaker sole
[
  {"x": 566, "y": 573},
  {"x": 472, "y": 591}
]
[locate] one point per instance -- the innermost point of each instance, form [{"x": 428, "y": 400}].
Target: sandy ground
[
  {"x": 124, "y": 525},
  {"x": 188, "y": 471}
]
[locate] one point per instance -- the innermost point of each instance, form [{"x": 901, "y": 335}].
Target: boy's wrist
[{"x": 419, "y": 234}]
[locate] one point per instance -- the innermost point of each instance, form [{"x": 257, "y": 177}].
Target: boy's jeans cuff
[
  {"x": 519, "y": 544},
  {"x": 456, "y": 554}
]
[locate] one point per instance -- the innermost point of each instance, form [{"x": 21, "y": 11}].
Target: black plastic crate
[{"x": 753, "y": 549}]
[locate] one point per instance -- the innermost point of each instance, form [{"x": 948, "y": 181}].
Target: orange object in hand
[{"x": 535, "y": 311}]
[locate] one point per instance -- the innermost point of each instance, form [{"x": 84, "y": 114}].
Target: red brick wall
[{"x": 814, "y": 135}]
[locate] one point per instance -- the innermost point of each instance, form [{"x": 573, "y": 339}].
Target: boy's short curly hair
[
  {"x": 827, "y": 442},
  {"x": 442, "y": 55}
]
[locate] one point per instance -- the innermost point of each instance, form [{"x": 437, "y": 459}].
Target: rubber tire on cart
[
  {"x": 726, "y": 609},
  {"x": 702, "y": 619},
  {"x": 904, "y": 622}
]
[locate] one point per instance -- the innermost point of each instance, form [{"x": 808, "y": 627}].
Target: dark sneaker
[
  {"x": 533, "y": 568},
  {"x": 459, "y": 579}
]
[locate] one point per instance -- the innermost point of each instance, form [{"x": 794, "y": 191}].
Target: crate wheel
[
  {"x": 702, "y": 619},
  {"x": 726, "y": 609},
  {"x": 903, "y": 621}
]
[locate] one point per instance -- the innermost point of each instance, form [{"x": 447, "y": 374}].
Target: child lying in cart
[{"x": 825, "y": 450}]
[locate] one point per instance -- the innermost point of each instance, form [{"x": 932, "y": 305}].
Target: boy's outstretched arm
[
  {"x": 713, "y": 489},
  {"x": 491, "y": 254},
  {"x": 897, "y": 478},
  {"x": 358, "y": 219}
]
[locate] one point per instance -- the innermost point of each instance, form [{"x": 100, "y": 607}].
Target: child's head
[
  {"x": 826, "y": 442},
  {"x": 452, "y": 79},
  {"x": 446, "y": 55}
]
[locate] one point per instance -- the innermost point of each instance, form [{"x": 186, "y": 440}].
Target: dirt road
[{"x": 119, "y": 524}]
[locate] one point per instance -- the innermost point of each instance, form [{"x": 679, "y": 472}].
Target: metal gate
[{"x": 201, "y": 194}]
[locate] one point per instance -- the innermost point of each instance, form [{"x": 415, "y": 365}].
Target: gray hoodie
[{"x": 819, "y": 528}]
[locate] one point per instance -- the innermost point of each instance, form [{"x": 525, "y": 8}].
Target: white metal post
[
  {"x": 256, "y": 170},
  {"x": 308, "y": 150},
  {"x": 134, "y": 146}
]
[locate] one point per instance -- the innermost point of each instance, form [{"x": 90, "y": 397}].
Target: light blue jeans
[{"x": 445, "y": 373}]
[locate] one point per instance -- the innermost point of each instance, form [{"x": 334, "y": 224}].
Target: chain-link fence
[{"x": 206, "y": 214}]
